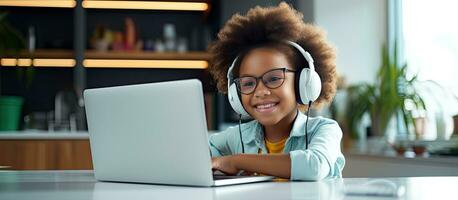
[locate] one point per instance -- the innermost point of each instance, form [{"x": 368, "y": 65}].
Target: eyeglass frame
[{"x": 237, "y": 80}]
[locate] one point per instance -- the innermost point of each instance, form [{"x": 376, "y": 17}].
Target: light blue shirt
[{"x": 322, "y": 159}]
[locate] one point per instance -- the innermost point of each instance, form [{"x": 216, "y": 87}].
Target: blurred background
[{"x": 397, "y": 61}]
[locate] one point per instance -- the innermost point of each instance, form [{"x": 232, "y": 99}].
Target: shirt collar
[
  {"x": 298, "y": 126},
  {"x": 255, "y": 131}
]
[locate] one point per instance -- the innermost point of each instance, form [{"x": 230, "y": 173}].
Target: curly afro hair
[{"x": 269, "y": 27}]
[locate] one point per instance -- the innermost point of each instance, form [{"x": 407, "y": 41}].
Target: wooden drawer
[{"x": 45, "y": 154}]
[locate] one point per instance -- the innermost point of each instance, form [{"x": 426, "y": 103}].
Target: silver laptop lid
[{"x": 151, "y": 133}]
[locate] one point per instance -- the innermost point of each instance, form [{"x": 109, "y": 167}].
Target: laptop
[{"x": 152, "y": 133}]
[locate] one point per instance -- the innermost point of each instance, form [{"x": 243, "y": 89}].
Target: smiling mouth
[{"x": 265, "y": 108}]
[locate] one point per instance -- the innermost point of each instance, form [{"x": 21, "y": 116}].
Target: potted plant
[
  {"x": 393, "y": 92},
  {"x": 11, "y": 42}
]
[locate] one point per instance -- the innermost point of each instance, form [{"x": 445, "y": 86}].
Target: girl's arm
[
  {"x": 278, "y": 165},
  {"x": 322, "y": 159}
]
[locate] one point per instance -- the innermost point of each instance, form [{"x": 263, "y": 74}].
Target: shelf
[
  {"x": 131, "y": 55},
  {"x": 178, "y": 5},
  {"x": 48, "y": 53},
  {"x": 145, "y": 55},
  {"x": 142, "y": 59},
  {"x": 110, "y": 59}
]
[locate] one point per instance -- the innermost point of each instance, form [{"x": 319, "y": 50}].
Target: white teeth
[{"x": 264, "y": 106}]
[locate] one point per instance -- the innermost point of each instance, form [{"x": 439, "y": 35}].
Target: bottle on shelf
[
  {"x": 170, "y": 37},
  {"x": 130, "y": 40},
  {"x": 31, "y": 39}
]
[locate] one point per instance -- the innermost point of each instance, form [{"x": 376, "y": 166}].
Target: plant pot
[
  {"x": 376, "y": 128},
  {"x": 387, "y": 131},
  {"x": 10, "y": 112}
]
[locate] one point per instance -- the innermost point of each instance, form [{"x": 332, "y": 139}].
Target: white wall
[{"x": 358, "y": 29}]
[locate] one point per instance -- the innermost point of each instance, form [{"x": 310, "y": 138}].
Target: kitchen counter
[
  {"x": 44, "y": 135},
  {"x": 376, "y": 159},
  {"x": 40, "y": 150}
]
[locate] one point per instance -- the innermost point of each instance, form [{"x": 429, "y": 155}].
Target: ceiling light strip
[
  {"x": 146, "y": 5},
  {"x": 41, "y": 62},
  {"x": 164, "y": 64},
  {"x": 39, "y": 3},
  {"x": 38, "y": 62},
  {"x": 8, "y": 62},
  {"x": 105, "y": 63},
  {"x": 24, "y": 62}
]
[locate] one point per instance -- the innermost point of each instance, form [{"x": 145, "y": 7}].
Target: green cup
[{"x": 10, "y": 112}]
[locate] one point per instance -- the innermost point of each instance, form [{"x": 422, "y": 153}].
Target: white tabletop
[{"x": 70, "y": 185}]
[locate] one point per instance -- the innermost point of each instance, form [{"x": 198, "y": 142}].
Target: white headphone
[{"x": 307, "y": 83}]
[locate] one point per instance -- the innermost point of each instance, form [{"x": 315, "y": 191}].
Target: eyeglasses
[{"x": 272, "y": 79}]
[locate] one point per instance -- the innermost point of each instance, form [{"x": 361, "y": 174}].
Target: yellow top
[{"x": 275, "y": 147}]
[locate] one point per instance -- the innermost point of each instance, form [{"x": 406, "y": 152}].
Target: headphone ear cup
[
  {"x": 314, "y": 87},
  {"x": 234, "y": 100},
  {"x": 297, "y": 87},
  {"x": 308, "y": 85}
]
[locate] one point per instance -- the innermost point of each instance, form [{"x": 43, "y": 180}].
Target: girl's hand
[{"x": 225, "y": 164}]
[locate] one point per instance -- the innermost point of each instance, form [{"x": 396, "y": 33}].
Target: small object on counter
[
  {"x": 139, "y": 45},
  {"x": 118, "y": 44},
  {"x": 170, "y": 37},
  {"x": 101, "y": 39},
  {"x": 32, "y": 39},
  {"x": 400, "y": 149},
  {"x": 159, "y": 46},
  {"x": 419, "y": 149},
  {"x": 66, "y": 104},
  {"x": 130, "y": 34},
  {"x": 36, "y": 121},
  {"x": 182, "y": 45},
  {"x": 101, "y": 45},
  {"x": 169, "y": 45},
  {"x": 10, "y": 112}
]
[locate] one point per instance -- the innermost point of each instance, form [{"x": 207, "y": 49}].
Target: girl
[{"x": 265, "y": 61}]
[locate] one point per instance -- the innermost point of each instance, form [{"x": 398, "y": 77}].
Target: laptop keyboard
[{"x": 222, "y": 177}]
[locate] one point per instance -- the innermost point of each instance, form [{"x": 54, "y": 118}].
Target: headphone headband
[
  {"x": 304, "y": 53},
  {"x": 229, "y": 72}
]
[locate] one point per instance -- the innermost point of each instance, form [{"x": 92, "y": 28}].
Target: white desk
[{"x": 68, "y": 185}]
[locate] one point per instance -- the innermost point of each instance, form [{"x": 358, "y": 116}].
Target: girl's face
[{"x": 268, "y": 106}]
